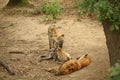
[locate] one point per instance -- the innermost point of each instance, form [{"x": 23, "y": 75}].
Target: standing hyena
[{"x": 56, "y": 40}]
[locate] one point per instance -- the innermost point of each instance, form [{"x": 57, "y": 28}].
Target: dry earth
[{"x": 28, "y": 34}]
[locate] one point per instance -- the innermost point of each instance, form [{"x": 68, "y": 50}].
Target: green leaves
[
  {"x": 114, "y": 27},
  {"x": 51, "y": 8},
  {"x": 105, "y": 10},
  {"x": 115, "y": 72}
]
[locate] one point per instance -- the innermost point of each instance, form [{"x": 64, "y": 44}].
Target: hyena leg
[
  {"x": 55, "y": 57},
  {"x": 51, "y": 50},
  {"x": 55, "y": 44},
  {"x": 50, "y": 56},
  {"x": 42, "y": 58},
  {"x": 50, "y": 42}
]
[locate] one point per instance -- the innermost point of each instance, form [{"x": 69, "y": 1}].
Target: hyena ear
[
  {"x": 62, "y": 35},
  {"x": 78, "y": 58},
  {"x": 86, "y": 55}
]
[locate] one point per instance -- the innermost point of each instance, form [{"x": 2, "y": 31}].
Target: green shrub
[
  {"x": 77, "y": 5},
  {"x": 83, "y": 6},
  {"x": 36, "y": 11},
  {"x": 105, "y": 9},
  {"x": 51, "y": 8},
  {"x": 115, "y": 72}
]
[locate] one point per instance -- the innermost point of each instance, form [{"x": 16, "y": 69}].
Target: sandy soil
[{"x": 28, "y": 34}]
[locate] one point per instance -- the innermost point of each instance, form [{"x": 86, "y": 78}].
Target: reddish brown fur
[
  {"x": 73, "y": 65},
  {"x": 85, "y": 61},
  {"x": 68, "y": 67}
]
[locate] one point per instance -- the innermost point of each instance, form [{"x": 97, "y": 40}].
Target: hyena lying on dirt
[
  {"x": 56, "y": 40},
  {"x": 71, "y": 66}
]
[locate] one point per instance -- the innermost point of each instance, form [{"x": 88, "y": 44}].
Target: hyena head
[
  {"x": 84, "y": 60},
  {"x": 53, "y": 28},
  {"x": 61, "y": 40},
  {"x": 82, "y": 57},
  {"x": 63, "y": 53}
]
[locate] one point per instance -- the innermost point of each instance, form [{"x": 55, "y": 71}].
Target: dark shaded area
[
  {"x": 17, "y": 2},
  {"x": 113, "y": 43}
]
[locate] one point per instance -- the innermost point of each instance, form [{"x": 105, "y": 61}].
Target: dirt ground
[{"x": 28, "y": 34}]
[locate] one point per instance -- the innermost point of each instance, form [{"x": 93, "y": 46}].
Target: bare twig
[
  {"x": 7, "y": 68},
  {"x": 16, "y": 52}
]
